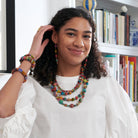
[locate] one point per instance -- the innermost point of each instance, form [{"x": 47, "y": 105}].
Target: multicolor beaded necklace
[{"x": 61, "y": 94}]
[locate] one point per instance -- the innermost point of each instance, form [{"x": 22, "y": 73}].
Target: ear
[{"x": 54, "y": 37}]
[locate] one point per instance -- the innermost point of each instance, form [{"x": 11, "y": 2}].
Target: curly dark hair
[{"x": 46, "y": 67}]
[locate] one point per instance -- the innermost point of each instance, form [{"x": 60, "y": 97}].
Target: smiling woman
[
  {"x": 74, "y": 44},
  {"x": 69, "y": 94}
]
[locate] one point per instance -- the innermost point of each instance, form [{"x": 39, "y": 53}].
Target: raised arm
[{"x": 9, "y": 92}]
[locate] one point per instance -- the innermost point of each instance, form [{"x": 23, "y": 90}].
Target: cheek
[
  {"x": 64, "y": 41},
  {"x": 88, "y": 45}
]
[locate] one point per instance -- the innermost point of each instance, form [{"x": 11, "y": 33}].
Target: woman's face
[{"x": 74, "y": 41}]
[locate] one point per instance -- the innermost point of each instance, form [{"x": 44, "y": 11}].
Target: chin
[{"x": 76, "y": 63}]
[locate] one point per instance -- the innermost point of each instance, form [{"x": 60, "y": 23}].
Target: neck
[{"x": 68, "y": 70}]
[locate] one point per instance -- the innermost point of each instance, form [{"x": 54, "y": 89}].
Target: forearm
[{"x": 9, "y": 93}]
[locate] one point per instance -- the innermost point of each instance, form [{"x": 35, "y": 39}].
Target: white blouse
[{"x": 105, "y": 112}]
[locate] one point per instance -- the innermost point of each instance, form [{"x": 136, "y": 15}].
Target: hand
[{"x": 37, "y": 47}]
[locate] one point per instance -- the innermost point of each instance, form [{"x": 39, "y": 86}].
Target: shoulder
[
  {"x": 102, "y": 81},
  {"x": 35, "y": 85},
  {"x": 108, "y": 85},
  {"x": 31, "y": 82}
]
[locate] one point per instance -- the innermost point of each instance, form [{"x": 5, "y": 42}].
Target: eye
[
  {"x": 87, "y": 36},
  {"x": 71, "y": 34}
]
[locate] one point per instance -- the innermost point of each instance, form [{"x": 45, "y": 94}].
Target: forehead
[{"x": 78, "y": 23}]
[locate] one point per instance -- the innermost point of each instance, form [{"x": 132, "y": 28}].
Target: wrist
[
  {"x": 25, "y": 65},
  {"x": 21, "y": 72},
  {"x": 33, "y": 54},
  {"x": 29, "y": 58}
]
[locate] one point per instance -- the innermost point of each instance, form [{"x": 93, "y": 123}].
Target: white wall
[
  {"x": 55, "y": 5},
  {"x": 3, "y": 56},
  {"x": 29, "y": 15}
]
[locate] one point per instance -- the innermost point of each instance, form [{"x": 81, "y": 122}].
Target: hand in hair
[{"x": 37, "y": 44}]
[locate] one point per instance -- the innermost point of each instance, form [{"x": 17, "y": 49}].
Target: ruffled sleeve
[
  {"x": 121, "y": 119},
  {"x": 20, "y": 124}
]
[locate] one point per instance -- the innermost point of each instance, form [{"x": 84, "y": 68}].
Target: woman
[{"x": 70, "y": 94}]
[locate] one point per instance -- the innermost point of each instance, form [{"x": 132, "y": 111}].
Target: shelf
[
  {"x": 115, "y": 5},
  {"x": 118, "y": 49},
  {"x": 133, "y": 3}
]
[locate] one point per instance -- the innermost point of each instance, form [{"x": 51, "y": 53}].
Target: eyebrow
[{"x": 72, "y": 29}]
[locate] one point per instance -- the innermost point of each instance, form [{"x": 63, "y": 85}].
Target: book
[
  {"x": 125, "y": 71},
  {"x": 132, "y": 81},
  {"x": 112, "y": 28},
  {"x": 121, "y": 29},
  {"x": 137, "y": 85},
  {"x": 126, "y": 74},
  {"x": 122, "y": 63},
  {"x": 116, "y": 17},
  {"x": 99, "y": 25},
  {"x": 127, "y": 30},
  {"x": 133, "y": 59}
]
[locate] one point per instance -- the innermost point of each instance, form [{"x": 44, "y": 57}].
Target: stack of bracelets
[{"x": 29, "y": 58}]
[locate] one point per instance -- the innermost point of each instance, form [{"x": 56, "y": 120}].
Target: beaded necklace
[{"x": 61, "y": 94}]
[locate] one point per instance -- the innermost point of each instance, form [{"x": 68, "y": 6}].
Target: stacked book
[
  {"x": 112, "y": 28},
  {"x": 127, "y": 73}
]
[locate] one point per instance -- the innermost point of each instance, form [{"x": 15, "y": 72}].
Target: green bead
[
  {"x": 85, "y": 80},
  {"x": 61, "y": 101},
  {"x": 80, "y": 100},
  {"x": 73, "y": 99},
  {"x": 64, "y": 99}
]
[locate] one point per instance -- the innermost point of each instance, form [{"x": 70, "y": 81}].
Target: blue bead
[
  {"x": 52, "y": 86},
  {"x": 79, "y": 95},
  {"x": 62, "y": 93}
]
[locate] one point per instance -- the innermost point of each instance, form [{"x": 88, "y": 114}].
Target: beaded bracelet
[
  {"x": 29, "y": 58},
  {"x": 22, "y": 72}
]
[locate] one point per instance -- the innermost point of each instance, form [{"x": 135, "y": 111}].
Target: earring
[
  {"x": 56, "y": 56},
  {"x": 85, "y": 62},
  {"x": 83, "y": 67}
]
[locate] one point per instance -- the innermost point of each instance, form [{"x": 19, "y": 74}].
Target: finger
[
  {"x": 42, "y": 47},
  {"x": 44, "y": 44},
  {"x": 39, "y": 28},
  {"x": 45, "y": 28}
]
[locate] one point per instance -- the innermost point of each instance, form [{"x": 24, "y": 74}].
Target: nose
[{"x": 78, "y": 42}]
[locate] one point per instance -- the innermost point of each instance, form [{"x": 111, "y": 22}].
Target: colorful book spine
[
  {"x": 129, "y": 76},
  {"x": 126, "y": 74},
  {"x": 133, "y": 59},
  {"x": 132, "y": 81},
  {"x": 115, "y": 27},
  {"x": 99, "y": 27},
  {"x": 116, "y": 17}
]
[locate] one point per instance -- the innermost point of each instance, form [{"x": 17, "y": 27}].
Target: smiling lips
[{"x": 76, "y": 51}]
